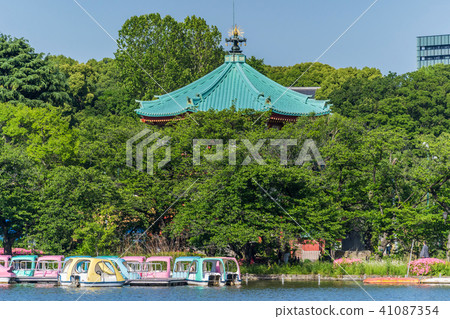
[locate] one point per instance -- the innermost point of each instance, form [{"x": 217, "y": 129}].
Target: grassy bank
[{"x": 381, "y": 268}]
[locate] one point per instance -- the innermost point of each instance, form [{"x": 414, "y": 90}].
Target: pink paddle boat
[
  {"x": 48, "y": 266},
  {"x": 153, "y": 271},
  {"x": 157, "y": 267},
  {"x": 6, "y": 274}
]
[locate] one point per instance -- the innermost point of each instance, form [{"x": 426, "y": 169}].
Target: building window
[
  {"x": 435, "y": 47},
  {"x": 435, "y": 57}
]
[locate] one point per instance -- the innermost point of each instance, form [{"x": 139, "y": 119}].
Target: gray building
[{"x": 433, "y": 49}]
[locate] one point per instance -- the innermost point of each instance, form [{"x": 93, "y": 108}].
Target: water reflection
[
  {"x": 255, "y": 290},
  {"x": 5, "y": 286}
]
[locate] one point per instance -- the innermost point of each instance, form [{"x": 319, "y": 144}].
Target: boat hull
[
  {"x": 6, "y": 280},
  {"x": 94, "y": 284},
  {"x": 157, "y": 282},
  {"x": 191, "y": 282},
  {"x": 36, "y": 280}
]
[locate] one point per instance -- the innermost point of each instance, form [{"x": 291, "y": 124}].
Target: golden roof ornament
[{"x": 236, "y": 37}]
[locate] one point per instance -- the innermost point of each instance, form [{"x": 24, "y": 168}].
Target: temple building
[{"x": 234, "y": 83}]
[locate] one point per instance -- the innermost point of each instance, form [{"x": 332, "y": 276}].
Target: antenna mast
[
  {"x": 236, "y": 37},
  {"x": 233, "y": 16}
]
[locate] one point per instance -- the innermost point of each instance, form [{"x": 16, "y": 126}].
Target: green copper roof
[{"x": 233, "y": 83}]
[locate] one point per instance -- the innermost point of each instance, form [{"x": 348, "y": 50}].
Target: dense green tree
[
  {"x": 232, "y": 210},
  {"x": 303, "y": 74},
  {"x": 158, "y": 55},
  {"x": 81, "y": 78},
  {"x": 72, "y": 201},
  {"x": 257, "y": 64},
  {"x": 102, "y": 141},
  {"x": 111, "y": 95},
  {"x": 95, "y": 86},
  {"x": 335, "y": 79},
  {"x": 430, "y": 172},
  {"x": 28, "y": 77},
  {"x": 99, "y": 234},
  {"x": 223, "y": 193},
  {"x": 43, "y": 131},
  {"x": 18, "y": 184},
  {"x": 417, "y": 101},
  {"x": 320, "y": 75}
]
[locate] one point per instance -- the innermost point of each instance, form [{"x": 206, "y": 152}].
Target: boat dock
[{"x": 155, "y": 282}]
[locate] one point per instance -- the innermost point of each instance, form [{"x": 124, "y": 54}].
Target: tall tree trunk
[
  {"x": 248, "y": 251},
  {"x": 7, "y": 245},
  {"x": 236, "y": 250}
]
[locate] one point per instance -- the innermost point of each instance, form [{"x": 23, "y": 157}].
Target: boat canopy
[
  {"x": 93, "y": 267},
  {"x": 51, "y": 258},
  {"x": 134, "y": 258}
]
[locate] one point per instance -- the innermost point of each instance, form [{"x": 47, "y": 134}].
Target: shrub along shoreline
[{"x": 385, "y": 268}]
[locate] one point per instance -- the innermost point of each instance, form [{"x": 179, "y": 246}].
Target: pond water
[{"x": 254, "y": 291}]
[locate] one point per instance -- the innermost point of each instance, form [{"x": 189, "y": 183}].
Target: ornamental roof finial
[{"x": 236, "y": 37}]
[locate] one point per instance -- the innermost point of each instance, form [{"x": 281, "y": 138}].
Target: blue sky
[{"x": 283, "y": 32}]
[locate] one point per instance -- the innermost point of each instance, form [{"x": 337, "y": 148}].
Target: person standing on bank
[{"x": 424, "y": 252}]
